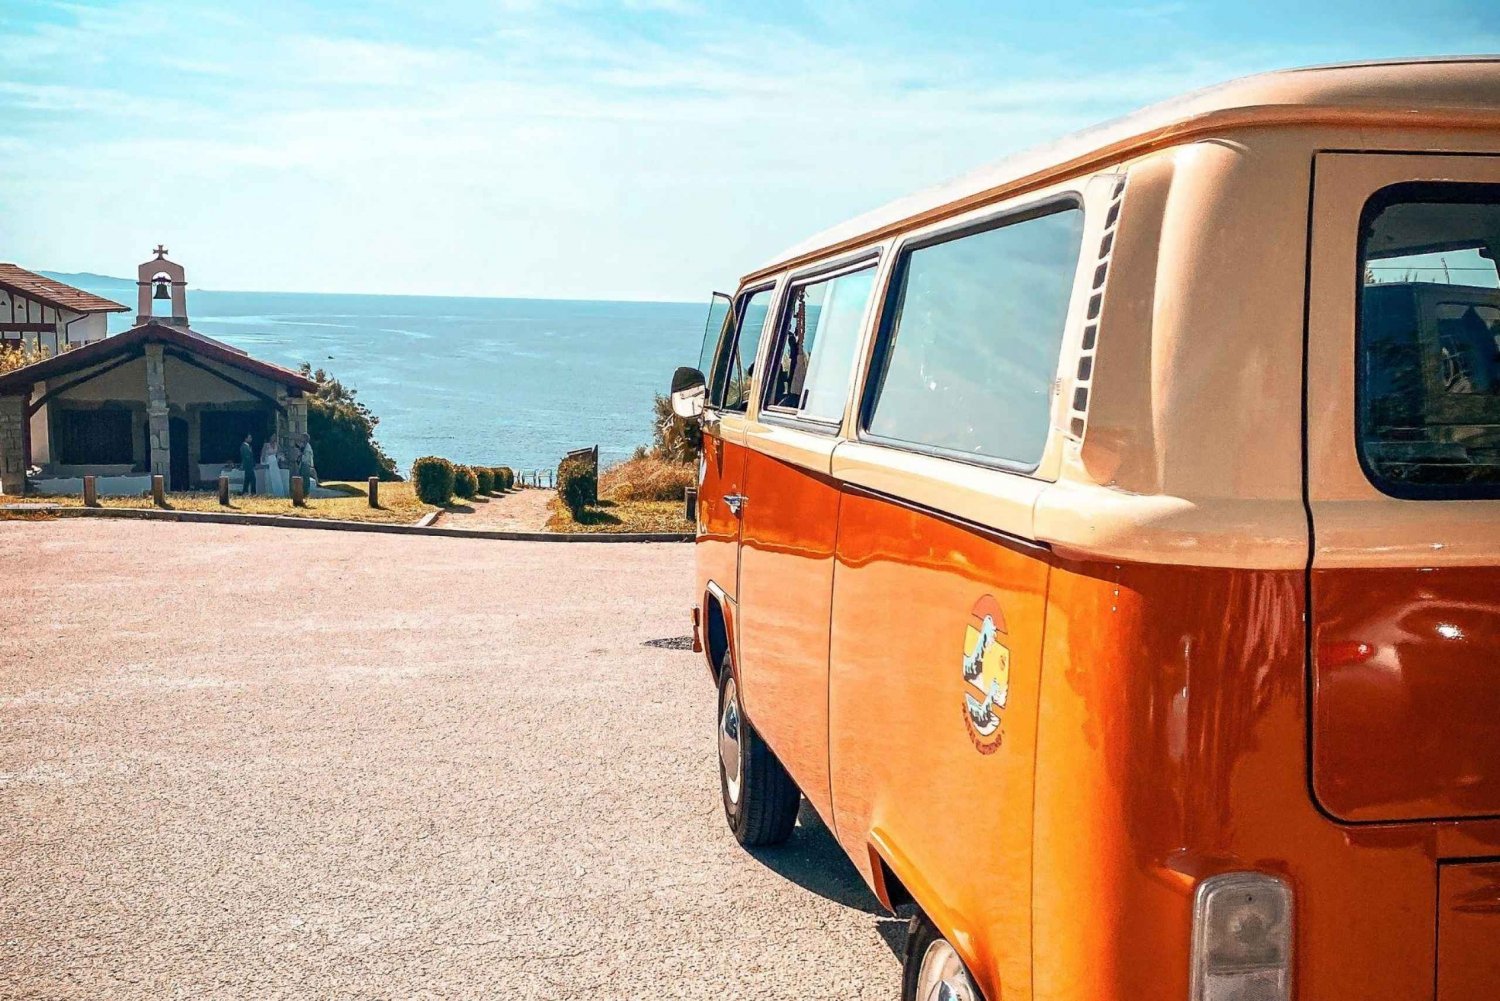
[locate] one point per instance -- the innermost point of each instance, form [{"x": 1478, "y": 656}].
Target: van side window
[
  {"x": 971, "y": 338},
  {"x": 815, "y": 344},
  {"x": 1428, "y": 370},
  {"x": 731, "y": 383},
  {"x": 715, "y": 330}
]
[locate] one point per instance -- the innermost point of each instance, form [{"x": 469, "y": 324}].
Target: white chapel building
[{"x": 157, "y": 399}]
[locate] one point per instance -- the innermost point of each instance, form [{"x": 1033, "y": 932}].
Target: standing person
[
  {"x": 305, "y": 467},
  {"x": 247, "y": 466}
]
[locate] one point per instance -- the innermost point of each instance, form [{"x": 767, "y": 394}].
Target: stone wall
[{"x": 12, "y": 445}]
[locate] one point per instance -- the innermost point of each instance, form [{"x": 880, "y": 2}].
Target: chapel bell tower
[{"x": 161, "y": 280}]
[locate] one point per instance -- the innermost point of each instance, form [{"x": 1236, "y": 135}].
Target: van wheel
[
  {"x": 760, "y": 798},
  {"x": 933, "y": 970}
]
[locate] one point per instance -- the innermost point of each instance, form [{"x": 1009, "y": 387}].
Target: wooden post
[
  {"x": 159, "y": 490},
  {"x": 90, "y": 491},
  {"x": 374, "y": 491},
  {"x": 299, "y": 496},
  {"x": 223, "y": 490}
]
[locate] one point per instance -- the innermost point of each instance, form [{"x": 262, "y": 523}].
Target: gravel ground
[{"x": 251, "y": 762}]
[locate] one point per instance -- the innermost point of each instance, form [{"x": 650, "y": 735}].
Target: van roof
[{"x": 1410, "y": 91}]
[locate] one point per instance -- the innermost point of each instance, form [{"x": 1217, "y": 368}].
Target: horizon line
[{"x": 53, "y": 273}]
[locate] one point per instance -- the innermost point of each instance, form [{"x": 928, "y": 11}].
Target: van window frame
[
  {"x": 811, "y": 275},
  {"x": 879, "y": 356},
  {"x": 718, "y": 379},
  {"x": 1378, "y": 201}
]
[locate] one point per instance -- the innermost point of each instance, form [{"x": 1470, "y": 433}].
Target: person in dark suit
[{"x": 247, "y": 466}]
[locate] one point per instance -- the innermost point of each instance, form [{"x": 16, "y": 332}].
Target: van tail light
[{"x": 1242, "y": 938}]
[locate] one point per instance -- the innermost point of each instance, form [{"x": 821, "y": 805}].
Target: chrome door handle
[{"x": 735, "y": 502}]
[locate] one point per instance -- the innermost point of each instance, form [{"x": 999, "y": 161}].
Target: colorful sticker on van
[{"x": 986, "y": 674}]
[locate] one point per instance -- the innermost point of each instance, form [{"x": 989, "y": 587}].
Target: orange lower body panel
[{"x": 1469, "y": 932}]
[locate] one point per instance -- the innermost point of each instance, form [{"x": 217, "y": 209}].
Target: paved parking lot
[{"x": 255, "y": 762}]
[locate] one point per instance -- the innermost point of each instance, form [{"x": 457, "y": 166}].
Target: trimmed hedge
[
  {"x": 506, "y": 478},
  {"x": 465, "y": 483},
  {"x": 577, "y": 484},
  {"x": 486, "y": 478},
  {"x": 432, "y": 477}
]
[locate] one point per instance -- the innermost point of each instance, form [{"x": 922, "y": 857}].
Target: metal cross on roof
[{"x": 160, "y": 251}]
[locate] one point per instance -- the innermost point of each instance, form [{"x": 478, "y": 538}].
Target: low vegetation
[
  {"x": 672, "y": 438},
  {"x": 645, "y": 493},
  {"x": 577, "y": 486},
  {"x": 620, "y": 516},
  {"x": 465, "y": 483},
  {"x": 486, "y": 477},
  {"x": 433, "y": 476},
  {"x": 12, "y": 358},
  {"x": 647, "y": 478}
]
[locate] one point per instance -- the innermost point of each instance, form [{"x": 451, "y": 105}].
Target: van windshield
[{"x": 1429, "y": 340}]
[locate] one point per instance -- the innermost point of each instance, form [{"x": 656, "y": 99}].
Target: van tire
[
  {"x": 761, "y": 801},
  {"x": 921, "y": 937}
]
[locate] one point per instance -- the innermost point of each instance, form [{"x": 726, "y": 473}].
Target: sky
[{"x": 645, "y": 149}]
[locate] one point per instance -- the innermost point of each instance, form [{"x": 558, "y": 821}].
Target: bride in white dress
[{"x": 277, "y": 484}]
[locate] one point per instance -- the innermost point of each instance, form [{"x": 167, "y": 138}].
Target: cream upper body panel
[{"x": 1177, "y": 419}]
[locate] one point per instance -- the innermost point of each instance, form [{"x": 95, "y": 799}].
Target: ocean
[{"x": 514, "y": 382}]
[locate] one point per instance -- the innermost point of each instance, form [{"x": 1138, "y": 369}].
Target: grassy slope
[
  {"x": 398, "y": 504},
  {"x": 622, "y": 516}
]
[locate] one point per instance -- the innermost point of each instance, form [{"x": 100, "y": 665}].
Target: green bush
[
  {"x": 432, "y": 478},
  {"x": 508, "y": 478},
  {"x": 486, "y": 477},
  {"x": 465, "y": 483},
  {"x": 577, "y": 485},
  {"x": 343, "y": 432}
]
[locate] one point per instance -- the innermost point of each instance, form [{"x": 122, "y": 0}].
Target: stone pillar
[
  {"x": 296, "y": 419},
  {"x": 12, "y": 445},
  {"x": 156, "y": 411},
  {"x": 296, "y": 422}
]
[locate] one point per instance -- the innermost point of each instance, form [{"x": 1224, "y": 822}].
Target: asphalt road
[{"x": 255, "y": 762}]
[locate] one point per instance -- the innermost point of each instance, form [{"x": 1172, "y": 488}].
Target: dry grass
[
  {"x": 648, "y": 479},
  {"x": 398, "y": 504},
  {"x": 621, "y": 516}
]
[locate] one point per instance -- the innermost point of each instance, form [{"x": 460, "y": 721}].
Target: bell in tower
[{"x": 161, "y": 280}]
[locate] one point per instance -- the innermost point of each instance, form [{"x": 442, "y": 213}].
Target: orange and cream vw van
[{"x": 1107, "y": 546}]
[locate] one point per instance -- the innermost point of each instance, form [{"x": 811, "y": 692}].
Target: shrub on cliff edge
[
  {"x": 432, "y": 478},
  {"x": 465, "y": 483},
  {"x": 577, "y": 485}
]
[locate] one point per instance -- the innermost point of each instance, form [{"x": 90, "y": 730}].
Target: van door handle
[{"x": 736, "y": 502}]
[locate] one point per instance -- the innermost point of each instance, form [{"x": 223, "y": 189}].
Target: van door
[
  {"x": 1404, "y": 486},
  {"x": 791, "y": 512},
  {"x": 729, "y": 368},
  {"x": 939, "y": 597}
]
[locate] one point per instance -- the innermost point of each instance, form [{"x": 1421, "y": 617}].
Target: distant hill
[{"x": 90, "y": 281}]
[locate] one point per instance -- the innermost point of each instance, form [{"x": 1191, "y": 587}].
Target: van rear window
[
  {"x": 969, "y": 347},
  {"x": 1428, "y": 380}
]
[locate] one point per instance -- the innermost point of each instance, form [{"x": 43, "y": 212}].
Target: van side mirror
[{"x": 689, "y": 393}]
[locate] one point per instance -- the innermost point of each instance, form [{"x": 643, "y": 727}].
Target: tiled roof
[
  {"x": 20, "y": 380},
  {"x": 17, "y": 279}
]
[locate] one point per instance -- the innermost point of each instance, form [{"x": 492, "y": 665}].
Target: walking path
[{"x": 519, "y": 511}]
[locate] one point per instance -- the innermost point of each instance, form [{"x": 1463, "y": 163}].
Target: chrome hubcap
[
  {"x": 729, "y": 741},
  {"x": 943, "y": 977}
]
